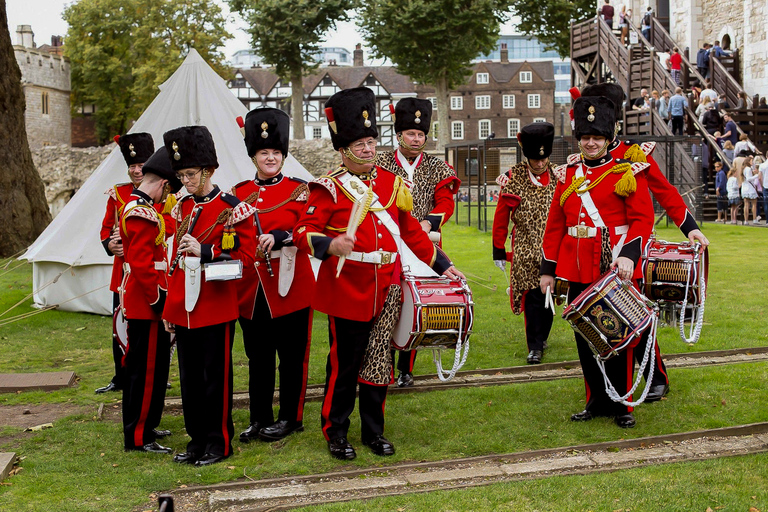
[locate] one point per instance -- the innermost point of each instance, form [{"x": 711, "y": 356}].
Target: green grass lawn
[{"x": 80, "y": 465}]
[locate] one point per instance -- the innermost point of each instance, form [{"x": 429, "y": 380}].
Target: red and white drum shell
[
  {"x": 120, "y": 329},
  {"x": 670, "y": 267},
  {"x": 436, "y": 313},
  {"x": 611, "y": 315}
]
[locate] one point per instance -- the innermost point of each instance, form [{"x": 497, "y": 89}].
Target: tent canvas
[{"x": 70, "y": 268}]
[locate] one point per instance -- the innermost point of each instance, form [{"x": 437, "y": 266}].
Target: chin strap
[
  {"x": 282, "y": 163},
  {"x": 203, "y": 177},
  {"x": 402, "y": 144},
  {"x": 361, "y": 161}
]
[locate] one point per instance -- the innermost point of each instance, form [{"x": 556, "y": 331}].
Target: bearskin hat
[
  {"x": 135, "y": 147},
  {"x": 267, "y": 128},
  {"x": 351, "y": 115},
  {"x": 412, "y": 114},
  {"x": 190, "y": 146},
  {"x": 594, "y": 115},
  {"x": 536, "y": 140}
]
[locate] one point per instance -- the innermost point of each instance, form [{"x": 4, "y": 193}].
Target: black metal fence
[{"x": 478, "y": 164}]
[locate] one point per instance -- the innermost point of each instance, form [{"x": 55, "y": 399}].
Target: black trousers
[
  {"x": 538, "y": 319},
  {"x": 660, "y": 377},
  {"x": 117, "y": 350},
  {"x": 205, "y": 372},
  {"x": 405, "y": 360},
  {"x": 287, "y": 337},
  {"x": 146, "y": 374},
  {"x": 348, "y": 341},
  {"x": 619, "y": 370}
]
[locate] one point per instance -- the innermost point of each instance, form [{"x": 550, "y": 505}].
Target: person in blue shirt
[
  {"x": 731, "y": 132},
  {"x": 722, "y": 194},
  {"x": 677, "y": 106},
  {"x": 718, "y": 52}
]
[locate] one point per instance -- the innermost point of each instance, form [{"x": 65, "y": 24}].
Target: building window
[
  {"x": 482, "y": 102},
  {"x": 539, "y": 119},
  {"x": 457, "y": 103},
  {"x": 526, "y": 77},
  {"x": 484, "y": 128},
  {"x": 508, "y": 101},
  {"x": 435, "y": 132},
  {"x": 482, "y": 78},
  {"x": 513, "y": 128},
  {"x": 433, "y": 101},
  {"x": 534, "y": 101},
  {"x": 457, "y": 130},
  {"x": 317, "y": 132},
  {"x": 44, "y": 103}
]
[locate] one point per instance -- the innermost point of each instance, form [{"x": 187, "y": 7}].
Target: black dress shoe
[
  {"x": 161, "y": 433},
  {"x": 251, "y": 433},
  {"x": 656, "y": 393},
  {"x": 152, "y": 447},
  {"x": 404, "y": 380},
  {"x": 210, "y": 458},
  {"x": 167, "y": 385},
  {"x": 186, "y": 458},
  {"x": 584, "y": 415},
  {"x": 625, "y": 420},
  {"x": 280, "y": 430},
  {"x": 341, "y": 449},
  {"x": 109, "y": 387},
  {"x": 534, "y": 357},
  {"x": 379, "y": 445}
]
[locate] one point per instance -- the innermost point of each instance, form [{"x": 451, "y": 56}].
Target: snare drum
[
  {"x": 611, "y": 315},
  {"x": 120, "y": 329},
  {"x": 437, "y": 313},
  {"x": 671, "y": 268}
]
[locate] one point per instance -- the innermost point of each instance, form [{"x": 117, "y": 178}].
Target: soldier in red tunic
[
  {"x": 525, "y": 195},
  {"x": 142, "y": 297},
  {"x": 275, "y": 294},
  {"x": 352, "y": 293},
  {"x": 601, "y": 217},
  {"x": 215, "y": 233},
  {"x": 432, "y": 181},
  {"x": 667, "y": 196},
  {"x": 136, "y": 149}
]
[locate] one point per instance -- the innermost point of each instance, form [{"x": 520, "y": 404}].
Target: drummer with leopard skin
[
  {"x": 353, "y": 291},
  {"x": 667, "y": 196},
  {"x": 524, "y": 199},
  {"x": 600, "y": 218},
  {"x": 274, "y": 294},
  {"x": 432, "y": 181}
]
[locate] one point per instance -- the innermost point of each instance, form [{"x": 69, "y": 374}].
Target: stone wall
[
  {"x": 316, "y": 155},
  {"x": 64, "y": 170}
]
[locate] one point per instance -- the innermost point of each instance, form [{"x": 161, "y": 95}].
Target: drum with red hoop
[
  {"x": 611, "y": 315},
  {"x": 120, "y": 329},
  {"x": 437, "y": 313}
]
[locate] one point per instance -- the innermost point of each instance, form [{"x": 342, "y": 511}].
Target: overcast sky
[{"x": 46, "y": 21}]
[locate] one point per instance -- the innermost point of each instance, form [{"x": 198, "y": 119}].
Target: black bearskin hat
[
  {"x": 412, "y": 114},
  {"x": 135, "y": 147},
  {"x": 351, "y": 116},
  {"x": 536, "y": 140},
  {"x": 594, "y": 115},
  {"x": 190, "y": 146},
  {"x": 267, "y": 128},
  {"x": 160, "y": 164},
  {"x": 613, "y": 92}
]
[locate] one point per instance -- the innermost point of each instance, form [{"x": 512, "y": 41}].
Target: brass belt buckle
[
  {"x": 386, "y": 258},
  {"x": 582, "y": 231}
]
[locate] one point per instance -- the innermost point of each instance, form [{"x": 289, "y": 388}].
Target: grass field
[{"x": 79, "y": 464}]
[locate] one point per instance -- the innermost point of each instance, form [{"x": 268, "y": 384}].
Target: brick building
[{"x": 45, "y": 79}]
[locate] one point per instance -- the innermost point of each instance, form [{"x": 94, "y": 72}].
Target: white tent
[{"x": 70, "y": 267}]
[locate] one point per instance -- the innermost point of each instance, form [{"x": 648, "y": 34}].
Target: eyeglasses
[
  {"x": 361, "y": 145},
  {"x": 188, "y": 175}
]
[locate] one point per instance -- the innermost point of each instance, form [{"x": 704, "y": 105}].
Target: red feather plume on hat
[{"x": 116, "y": 138}]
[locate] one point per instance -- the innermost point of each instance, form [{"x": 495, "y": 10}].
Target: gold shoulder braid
[
  {"x": 182, "y": 229},
  {"x": 625, "y": 186},
  {"x": 635, "y": 154},
  {"x": 160, "y": 238}
]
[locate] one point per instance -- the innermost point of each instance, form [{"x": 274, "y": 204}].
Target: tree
[
  {"x": 556, "y": 32},
  {"x": 24, "y": 211},
  {"x": 432, "y": 41},
  {"x": 120, "y": 52},
  {"x": 287, "y": 35}
]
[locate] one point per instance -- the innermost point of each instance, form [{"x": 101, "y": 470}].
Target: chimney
[
  {"x": 24, "y": 36},
  {"x": 504, "y": 53},
  {"x": 357, "y": 56},
  {"x": 56, "y": 41}
]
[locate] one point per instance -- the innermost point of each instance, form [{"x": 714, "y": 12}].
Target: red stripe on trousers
[
  {"x": 305, "y": 369},
  {"x": 333, "y": 358},
  {"x": 227, "y": 391},
  {"x": 149, "y": 381}
]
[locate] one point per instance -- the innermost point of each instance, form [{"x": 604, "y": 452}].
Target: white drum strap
[
  {"x": 698, "y": 268},
  {"x": 586, "y": 200}
]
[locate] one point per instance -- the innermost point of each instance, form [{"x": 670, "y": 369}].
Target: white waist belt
[
  {"x": 377, "y": 257},
  {"x": 590, "y": 232}
]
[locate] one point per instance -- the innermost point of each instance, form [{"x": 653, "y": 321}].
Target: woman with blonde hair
[
  {"x": 748, "y": 191},
  {"x": 732, "y": 187},
  {"x": 704, "y": 105},
  {"x": 728, "y": 149}
]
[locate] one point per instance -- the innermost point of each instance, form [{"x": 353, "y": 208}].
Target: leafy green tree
[
  {"x": 555, "y": 33},
  {"x": 287, "y": 35},
  {"x": 432, "y": 41},
  {"x": 120, "y": 52}
]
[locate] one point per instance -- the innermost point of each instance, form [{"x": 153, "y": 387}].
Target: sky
[{"x": 46, "y": 21}]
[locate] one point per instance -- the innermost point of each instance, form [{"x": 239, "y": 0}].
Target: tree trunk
[
  {"x": 23, "y": 209},
  {"x": 297, "y": 104},
  {"x": 443, "y": 110}
]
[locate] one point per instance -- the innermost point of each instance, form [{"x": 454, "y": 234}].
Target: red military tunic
[
  {"x": 118, "y": 196},
  {"x": 359, "y": 292},
  {"x": 217, "y": 302},
  {"x": 631, "y": 217},
  {"x": 143, "y": 233},
  {"x": 279, "y": 202}
]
